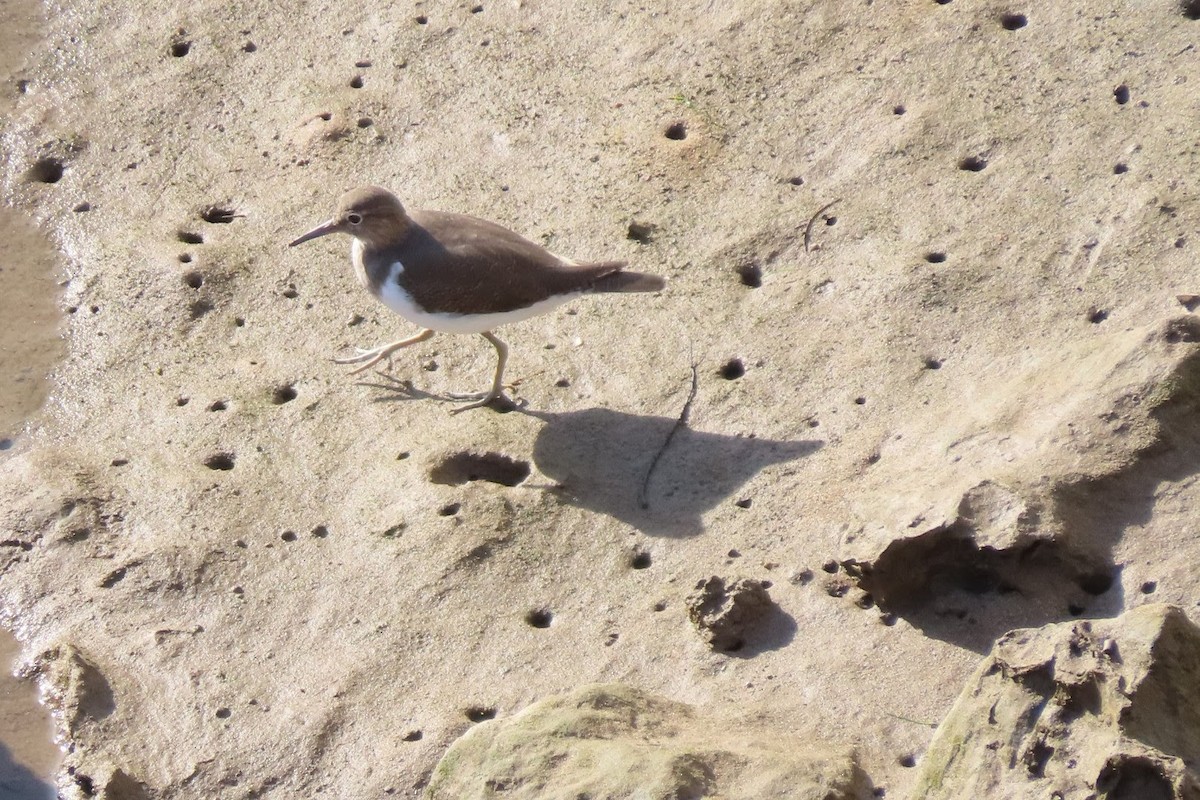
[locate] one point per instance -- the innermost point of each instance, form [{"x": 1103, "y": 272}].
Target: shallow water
[
  {"x": 30, "y": 320},
  {"x": 27, "y": 755},
  {"x": 30, "y": 345}
]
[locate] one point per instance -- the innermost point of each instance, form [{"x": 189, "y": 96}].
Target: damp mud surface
[{"x": 925, "y": 372}]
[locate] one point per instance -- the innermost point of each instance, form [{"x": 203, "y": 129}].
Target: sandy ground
[{"x": 242, "y": 573}]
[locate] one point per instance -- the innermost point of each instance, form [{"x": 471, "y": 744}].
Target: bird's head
[{"x": 371, "y": 214}]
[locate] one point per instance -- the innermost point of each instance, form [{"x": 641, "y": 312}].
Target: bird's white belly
[{"x": 394, "y": 297}]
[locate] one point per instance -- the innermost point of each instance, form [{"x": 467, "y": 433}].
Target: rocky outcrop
[
  {"x": 725, "y": 614},
  {"x": 1098, "y": 709},
  {"x": 613, "y": 742}
]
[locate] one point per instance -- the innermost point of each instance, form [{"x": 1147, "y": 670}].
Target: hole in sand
[
  {"x": 465, "y": 467},
  {"x": 640, "y": 232},
  {"x": 422, "y": 20},
  {"x": 935, "y": 257},
  {"x": 220, "y": 461},
  {"x": 356, "y": 82},
  {"x": 676, "y": 131},
  {"x": 1097, "y": 315},
  {"x": 180, "y": 48},
  {"x": 284, "y": 393},
  {"x": 732, "y": 369},
  {"x": 538, "y": 618},
  {"x": 218, "y": 214},
  {"x": 288, "y": 536},
  {"x": 973, "y": 164},
  {"x": 899, "y": 110},
  {"x": 1013, "y": 22},
  {"x": 931, "y": 363},
  {"x": 193, "y": 279},
  {"x": 640, "y": 559},
  {"x": 480, "y": 713},
  {"x": 1190, "y": 9},
  {"x": 450, "y": 509},
  {"x": 185, "y": 258},
  {"x": 1121, "y": 93},
  {"x": 412, "y": 736},
  {"x": 45, "y": 170},
  {"x": 187, "y": 237},
  {"x": 751, "y": 275},
  {"x": 218, "y": 405}
]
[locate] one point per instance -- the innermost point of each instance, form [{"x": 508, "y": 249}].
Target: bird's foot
[
  {"x": 495, "y": 398},
  {"x": 366, "y": 359}
]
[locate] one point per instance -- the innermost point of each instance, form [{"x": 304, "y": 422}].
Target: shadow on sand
[{"x": 601, "y": 459}]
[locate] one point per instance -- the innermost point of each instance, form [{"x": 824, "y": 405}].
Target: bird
[{"x": 454, "y": 273}]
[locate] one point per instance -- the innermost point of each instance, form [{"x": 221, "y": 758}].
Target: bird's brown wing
[{"x": 459, "y": 264}]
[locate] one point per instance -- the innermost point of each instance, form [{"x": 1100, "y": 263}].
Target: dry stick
[
  {"x": 808, "y": 228},
  {"x": 681, "y": 422}
]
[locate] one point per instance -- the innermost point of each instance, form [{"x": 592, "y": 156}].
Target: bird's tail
[{"x": 620, "y": 281}]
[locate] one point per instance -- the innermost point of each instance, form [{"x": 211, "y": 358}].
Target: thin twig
[
  {"x": 808, "y": 228},
  {"x": 680, "y": 422}
]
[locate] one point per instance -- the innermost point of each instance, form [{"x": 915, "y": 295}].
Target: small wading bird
[{"x": 450, "y": 273}]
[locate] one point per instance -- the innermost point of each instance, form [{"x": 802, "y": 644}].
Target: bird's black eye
[{"x": 354, "y": 219}]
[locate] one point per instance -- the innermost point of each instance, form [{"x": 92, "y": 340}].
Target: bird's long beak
[{"x": 324, "y": 229}]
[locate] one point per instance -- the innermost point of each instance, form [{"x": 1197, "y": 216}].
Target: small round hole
[
  {"x": 356, "y": 82},
  {"x": 288, "y": 536},
  {"x": 45, "y": 170},
  {"x": 422, "y": 20},
  {"x": 1013, "y": 22},
  {"x": 193, "y": 280},
  {"x": 185, "y": 258},
  {"x": 1121, "y": 93},
  {"x": 480, "y": 714},
  {"x": 860, "y": 401},
  {"x": 181, "y": 48},
  {"x": 539, "y": 618},
  {"x": 732, "y": 369},
  {"x": 450, "y": 509},
  {"x": 932, "y": 363},
  {"x": 935, "y": 257},
  {"x": 220, "y": 461},
  {"x": 365, "y": 122},
  {"x": 640, "y": 560},
  {"x": 283, "y": 394},
  {"x": 973, "y": 164},
  {"x": 676, "y": 131},
  {"x": 751, "y": 275},
  {"x": 1120, "y": 168},
  {"x": 1190, "y": 9},
  {"x": 899, "y": 110}
]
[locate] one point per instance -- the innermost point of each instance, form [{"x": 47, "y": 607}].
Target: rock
[
  {"x": 606, "y": 742},
  {"x": 75, "y": 686},
  {"x": 1107, "y": 708},
  {"x": 724, "y": 614}
]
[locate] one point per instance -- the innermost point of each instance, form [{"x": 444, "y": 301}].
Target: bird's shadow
[{"x": 653, "y": 473}]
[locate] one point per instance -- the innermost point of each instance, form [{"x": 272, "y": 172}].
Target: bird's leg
[
  {"x": 483, "y": 398},
  {"x": 369, "y": 358}
]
